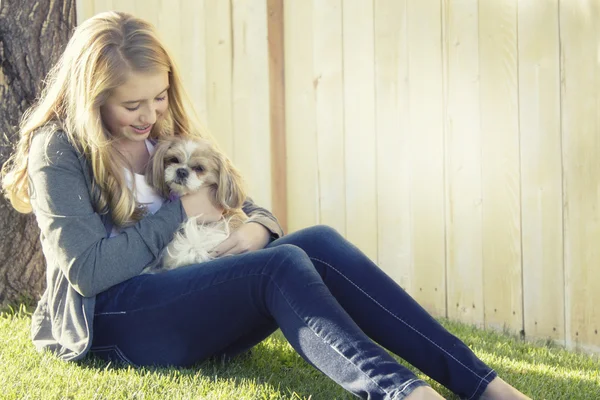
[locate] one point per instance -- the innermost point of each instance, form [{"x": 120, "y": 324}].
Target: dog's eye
[
  {"x": 172, "y": 160},
  {"x": 198, "y": 168}
]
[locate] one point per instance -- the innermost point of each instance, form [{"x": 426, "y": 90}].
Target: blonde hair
[{"x": 97, "y": 59}]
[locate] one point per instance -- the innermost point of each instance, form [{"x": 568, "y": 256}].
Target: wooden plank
[
  {"x": 394, "y": 253},
  {"x": 359, "y": 119},
  {"x": 148, "y": 10},
  {"x": 102, "y": 5},
  {"x": 541, "y": 169},
  {"x": 127, "y": 6},
  {"x": 328, "y": 86},
  {"x": 300, "y": 124},
  {"x": 169, "y": 27},
  {"x": 502, "y": 285},
  {"x": 580, "y": 93},
  {"x": 277, "y": 110},
  {"x": 84, "y": 9},
  {"x": 219, "y": 111},
  {"x": 426, "y": 143},
  {"x": 463, "y": 162},
  {"x": 251, "y": 125},
  {"x": 193, "y": 56}
]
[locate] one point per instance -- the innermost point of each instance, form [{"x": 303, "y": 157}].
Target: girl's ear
[
  {"x": 155, "y": 171},
  {"x": 230, "y": 193}
]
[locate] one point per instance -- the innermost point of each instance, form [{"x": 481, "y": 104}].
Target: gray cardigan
[{"x": 81, "y": 260}]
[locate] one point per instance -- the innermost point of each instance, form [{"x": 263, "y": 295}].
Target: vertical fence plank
[
  {"x": 102, "y": 5},
  {"x": 277, "y": 110},
  {"x": 169, "y": 26},
  {"x": 359, "y": 119},
  {"x": 329, "y": 103},
  {"x": 251, "y": 124},
  {"x": 219, "y": 44},
  {"x": 193, "y": 55},
  {"x": 463, "y": 162},
  {"x": 580, "y": 62},
  {"x": 148, "y": 10},
  {"x": 391, "y": 112},
  {"x": 426, "y": 141},
  {"x": 127, "y": 6},
  {"x": 84, "y": 9},
  {"x": 541, "y": 169},
  {"x": 500, "y": 165},
  {"x": 300, "y": 123}
]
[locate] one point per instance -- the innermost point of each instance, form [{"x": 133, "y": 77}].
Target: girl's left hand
[{"x": 248, "y": 237}]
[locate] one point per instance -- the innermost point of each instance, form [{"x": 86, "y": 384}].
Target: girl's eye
[
  {"x": 198, "y": 168},
  {"x": 133, "y": 108},
  {"x": 172, "y": 160},
  {"x": 161, "y": 98}
]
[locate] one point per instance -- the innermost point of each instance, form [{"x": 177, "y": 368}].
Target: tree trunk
[{"x": 33, "y": 33}]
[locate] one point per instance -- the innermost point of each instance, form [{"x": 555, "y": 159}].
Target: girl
[{"x": 79, "y": 167}]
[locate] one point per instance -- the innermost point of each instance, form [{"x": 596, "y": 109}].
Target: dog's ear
[
  {"x": 230, "y": 193},
  {"x": 155, "y": 170}
]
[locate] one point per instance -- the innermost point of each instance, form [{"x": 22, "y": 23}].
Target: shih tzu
[{"x": 181, "y": 166}]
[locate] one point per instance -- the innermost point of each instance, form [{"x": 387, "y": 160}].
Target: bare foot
[
  {"x": 500, "y": 390},
  {"x": 424, "y": 393}
]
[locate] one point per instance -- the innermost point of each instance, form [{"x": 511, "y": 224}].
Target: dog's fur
[{"x": 182, "y": 166}]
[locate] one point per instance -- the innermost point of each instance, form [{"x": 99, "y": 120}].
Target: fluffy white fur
[{"x": 193, "y": 242}]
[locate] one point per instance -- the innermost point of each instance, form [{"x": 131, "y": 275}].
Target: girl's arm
[
  {"x": 263, "y": 217},
  {"x": 72, "y": 234}
]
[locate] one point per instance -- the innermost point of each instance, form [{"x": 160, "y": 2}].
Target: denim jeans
[{"x": 331, "y": 302}]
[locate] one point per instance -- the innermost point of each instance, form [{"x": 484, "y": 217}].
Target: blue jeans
[{"x": 331, "y": 302}]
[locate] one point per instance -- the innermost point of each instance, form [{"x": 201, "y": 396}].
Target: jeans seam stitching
[
  {"x": 406, "y": 386},
  {"x": 111, "y": 313},
  {"x": 482, "y": 380},
  {"x": 123, "y": 356},
  {"x": 398, "y": 318},
  {"x": 112, "y": 347}
]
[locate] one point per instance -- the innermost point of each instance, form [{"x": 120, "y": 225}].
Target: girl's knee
[
  {"x": 323, "y": 232},
  {"x": 286, "y": 252},
  {"x": 289, "y": 259}
]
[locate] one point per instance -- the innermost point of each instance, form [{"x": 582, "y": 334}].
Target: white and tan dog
[{"x": 182, "y": 166}]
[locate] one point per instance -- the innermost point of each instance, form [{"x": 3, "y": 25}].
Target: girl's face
[{"x": 134, "y": 107}]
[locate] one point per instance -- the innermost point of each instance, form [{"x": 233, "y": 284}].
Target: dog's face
[
  {"x": 183, "y": 166},
  {"x": 189, "y": 165}
]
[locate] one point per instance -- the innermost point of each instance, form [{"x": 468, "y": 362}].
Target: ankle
[
  {"x": 498, "y": 389},
  {"x": 424, "y": 393}
]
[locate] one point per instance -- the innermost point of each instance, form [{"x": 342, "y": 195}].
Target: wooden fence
[{"x": 457, "y": 142}]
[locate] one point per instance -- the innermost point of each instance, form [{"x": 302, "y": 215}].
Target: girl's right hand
[{"x": 199, "y": 203}]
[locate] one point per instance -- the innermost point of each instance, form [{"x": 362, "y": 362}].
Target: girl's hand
[
  {"x": 199, "y": 203},
  {"x": 248, "y": 237}
]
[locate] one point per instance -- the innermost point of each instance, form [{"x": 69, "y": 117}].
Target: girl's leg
[
  {"x": 386, "y": 313},
  {"x": 189, "y": 314}
]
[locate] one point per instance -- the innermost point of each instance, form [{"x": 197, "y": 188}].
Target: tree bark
[{"x": 33, "y": 34}]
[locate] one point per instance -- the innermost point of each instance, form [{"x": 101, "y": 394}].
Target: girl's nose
[{"x": 148, "y": 117}]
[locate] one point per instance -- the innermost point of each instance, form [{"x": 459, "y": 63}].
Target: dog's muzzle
[{"x": 181, "y": 175}]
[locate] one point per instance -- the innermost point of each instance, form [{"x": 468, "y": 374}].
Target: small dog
[{"x": 181, "y": 166}]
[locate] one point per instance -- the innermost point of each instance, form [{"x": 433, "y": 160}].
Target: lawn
[{"x": 272, "y": 371}]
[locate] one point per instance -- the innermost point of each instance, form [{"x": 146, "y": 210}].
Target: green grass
[{"x": 272, "y": 371}]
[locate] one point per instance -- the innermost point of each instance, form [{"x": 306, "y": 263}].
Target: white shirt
[{"x": 144, "y": 193}]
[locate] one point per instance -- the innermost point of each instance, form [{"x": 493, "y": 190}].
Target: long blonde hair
[{"x": 97, "y": 59}]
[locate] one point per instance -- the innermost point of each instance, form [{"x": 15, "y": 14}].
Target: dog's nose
[{"x": 182, "y": 173}]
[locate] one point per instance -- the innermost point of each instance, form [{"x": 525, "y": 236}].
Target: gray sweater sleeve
[
  {"x": 263, "y": 217},
  {"x": 73, "y": 235}
]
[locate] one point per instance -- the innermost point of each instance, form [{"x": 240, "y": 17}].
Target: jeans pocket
[{"x": 110, "y": 353}]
